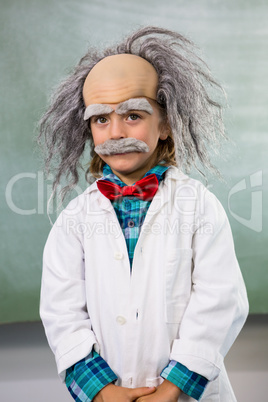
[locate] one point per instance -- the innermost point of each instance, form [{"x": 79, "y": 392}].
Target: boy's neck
[
  {"x": 132, "y": 177},
  {"x": 129, "y": 179}
]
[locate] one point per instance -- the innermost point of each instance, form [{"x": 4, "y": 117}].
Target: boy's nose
[{"x": 117, "y": 129}]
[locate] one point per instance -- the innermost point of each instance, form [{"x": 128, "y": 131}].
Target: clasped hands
[{"x": 166, "y": 392}]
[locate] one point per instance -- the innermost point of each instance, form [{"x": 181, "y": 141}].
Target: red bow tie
[{"x": 144, "y": 188}]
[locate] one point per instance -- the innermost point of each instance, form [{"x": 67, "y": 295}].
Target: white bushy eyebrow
[
  {"x": 134, "y": 104},
  {"x": 97, "y": 109}
]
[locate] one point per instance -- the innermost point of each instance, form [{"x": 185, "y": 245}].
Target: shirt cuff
[
  {"x": 88, "y": 376},
  {"x": 189, "y": 382}
]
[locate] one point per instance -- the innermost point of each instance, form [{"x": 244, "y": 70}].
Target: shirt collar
[{"x": 158, "y": 170}]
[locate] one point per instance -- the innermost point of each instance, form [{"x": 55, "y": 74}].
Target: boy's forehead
[{"x": 118, "y": 78}]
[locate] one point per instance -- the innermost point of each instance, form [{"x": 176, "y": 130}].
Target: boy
[{"x": 142, "y": 295}]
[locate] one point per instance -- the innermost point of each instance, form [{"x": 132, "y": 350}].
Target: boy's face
[
  {"x": 142, "y": 123},
  {"x": 119, "y": 94}
]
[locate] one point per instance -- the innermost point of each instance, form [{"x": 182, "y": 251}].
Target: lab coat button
[
  {"x": 118, "y": 256},
  {"x": 120, "y": 320}
]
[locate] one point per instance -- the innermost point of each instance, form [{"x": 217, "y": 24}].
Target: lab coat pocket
[
  {"x": 154, "y": 382},
  {"x": 178, "y": 283},
  {"x": 211, "y": 393}
]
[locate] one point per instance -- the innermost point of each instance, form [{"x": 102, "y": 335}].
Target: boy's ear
[{"x": 165, "y": 130}]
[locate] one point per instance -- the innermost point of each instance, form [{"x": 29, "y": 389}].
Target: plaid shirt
[
  {"x": 87, "y": 377},
  {"x": 131, "y": 211}
]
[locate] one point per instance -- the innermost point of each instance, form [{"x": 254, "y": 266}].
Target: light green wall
[{"x": 40, "y": 41}]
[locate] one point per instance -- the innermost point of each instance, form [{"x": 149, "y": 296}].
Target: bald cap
[{"x": 117, "y": 78}]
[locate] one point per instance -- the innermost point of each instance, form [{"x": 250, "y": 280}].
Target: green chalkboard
[{"x": 40, "y": 41}]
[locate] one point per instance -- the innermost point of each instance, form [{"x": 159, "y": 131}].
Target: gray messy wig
[{"x": 185, "y": 84}]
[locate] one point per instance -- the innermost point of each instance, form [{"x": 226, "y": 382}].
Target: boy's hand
[
  {"x": 113, "y": 393},
  {"x": 166, "y": 392}
]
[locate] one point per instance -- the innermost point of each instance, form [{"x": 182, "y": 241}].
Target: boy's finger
[{"x": 137, "y": 392}]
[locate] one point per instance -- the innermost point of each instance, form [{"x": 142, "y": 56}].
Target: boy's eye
[
  {"x": 101, "y": 120},
  {"x": 133, "y": 116}
]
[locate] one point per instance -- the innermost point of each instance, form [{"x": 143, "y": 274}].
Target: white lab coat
[{"x": 184, "y": 300}]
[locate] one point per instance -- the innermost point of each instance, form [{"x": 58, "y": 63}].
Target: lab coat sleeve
[
  {"x": 218, "y": 304},
  {"x": 63, "y": 298}
]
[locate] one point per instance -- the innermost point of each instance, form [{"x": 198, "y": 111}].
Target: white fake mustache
[{"x": 122, "y": 146}]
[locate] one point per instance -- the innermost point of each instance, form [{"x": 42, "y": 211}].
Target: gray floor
[{"x": 28, "y": 372}]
